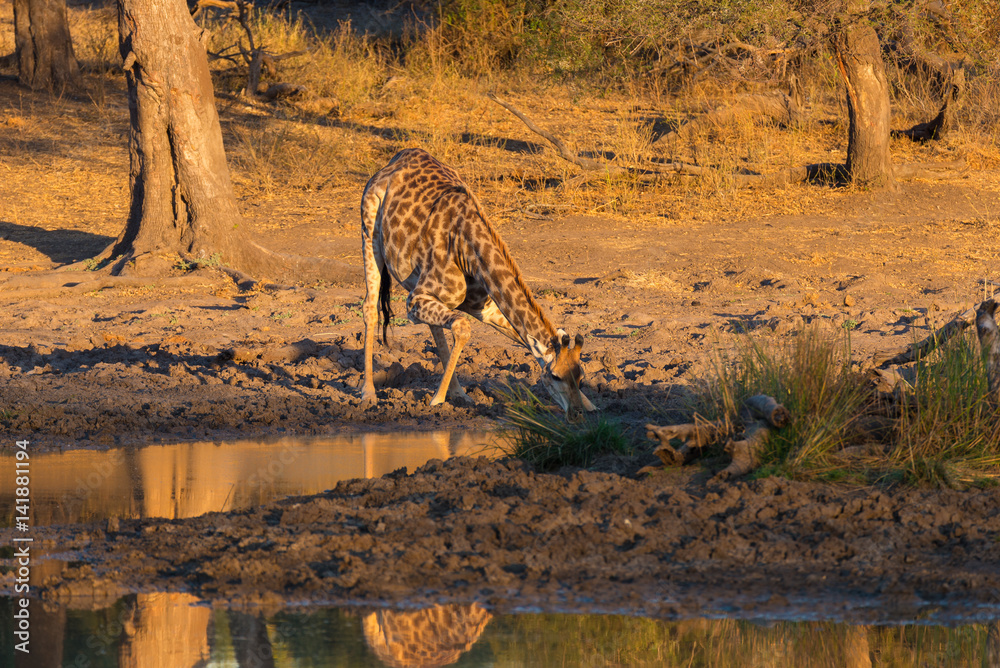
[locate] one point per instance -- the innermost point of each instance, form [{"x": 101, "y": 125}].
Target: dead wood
[
  {"x": 759, "y": 415},
  {"x": 764, "y": 407},
  {"x": 564, "y": 152},
  {"x": 280, "y": 90},
  {"x": 939, "y": 126},
  {"x": 989, "y": 341},
  {"x": 745, "y": 452},
  {"x": 258, "y": 60},
  {"x": 939, "y": 337},
  {"x": 692, "y": 436}
]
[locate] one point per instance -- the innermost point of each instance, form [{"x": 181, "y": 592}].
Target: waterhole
[
  {"x": 179, "y": 630},
  {"x": 190, "y": 479}
]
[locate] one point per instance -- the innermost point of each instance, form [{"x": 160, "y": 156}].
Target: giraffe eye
[{"x": 556, "y": 378}]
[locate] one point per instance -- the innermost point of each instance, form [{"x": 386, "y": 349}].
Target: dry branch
[
  {"x": 256, "y": 58},
  {"x": 764, "y": 407},
  {"x": 939, "y": 337},
  {"x": 564, "y": 152},
  {"x": 280, "y": 90},
  {"x": 51, "y": 284},
  {"x": 939, "y": 126}
]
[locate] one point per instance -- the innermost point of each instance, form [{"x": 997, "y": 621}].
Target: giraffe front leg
[
  {"x": 430, "y": 311},
  {"x": 455, "y": 390}
]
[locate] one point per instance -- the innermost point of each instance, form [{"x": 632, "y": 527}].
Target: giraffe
[
  {"x": 436, "y": 636},
  {"x": 422, "y": 226}
]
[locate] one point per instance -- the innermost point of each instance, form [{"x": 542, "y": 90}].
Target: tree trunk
[
  {"x": 860, "y": 61},
  {"x": 182, "y": 199},
  {"x": 42, "y": 44}
]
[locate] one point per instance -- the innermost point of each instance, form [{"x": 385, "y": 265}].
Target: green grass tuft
[
  {"x": 812, "y": 377},
  {"x": 547, "y": 441},
  {"x": 949, "y": 432}
]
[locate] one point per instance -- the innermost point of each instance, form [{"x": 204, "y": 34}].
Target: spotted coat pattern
[{"x": 422, "y": 227}]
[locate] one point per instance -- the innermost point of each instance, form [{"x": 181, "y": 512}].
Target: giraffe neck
[{"x": 506, "y": 285}]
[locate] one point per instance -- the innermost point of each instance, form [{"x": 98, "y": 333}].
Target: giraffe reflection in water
[{"x": 436, "y": 636}]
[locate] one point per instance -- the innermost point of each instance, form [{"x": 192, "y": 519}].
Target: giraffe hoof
[{"x": 369, "y": 398}]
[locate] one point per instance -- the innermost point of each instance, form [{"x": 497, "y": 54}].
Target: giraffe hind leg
[{"x": 374, "y": 267}]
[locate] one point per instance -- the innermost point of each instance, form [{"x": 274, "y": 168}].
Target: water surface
[
  {"x": 177, "y": 631},
  {"x": 190, "y": 479}
]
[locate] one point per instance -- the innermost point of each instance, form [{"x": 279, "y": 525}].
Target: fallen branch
[
  {"x": 745, "y": 453},
  {"x": 761, "y": 413},
  {"x": 280, "y": 90},
  {"x": 44, "y": 286},
  {"x": 939, "y": 337},
  {"x": 564, "y": 152},
  {"x": 939, "y": 126}
]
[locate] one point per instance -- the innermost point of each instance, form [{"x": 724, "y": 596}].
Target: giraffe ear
[{"x": 540, "y": 350}]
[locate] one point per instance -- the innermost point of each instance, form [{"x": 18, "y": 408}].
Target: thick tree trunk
[
  {"x": 42, "y": 44},
  {"x": 182, "y": 197},
  {"x": 860, "y": 59}
]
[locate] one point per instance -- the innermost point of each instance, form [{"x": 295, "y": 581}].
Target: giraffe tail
[{"x": 384, "y": 295}]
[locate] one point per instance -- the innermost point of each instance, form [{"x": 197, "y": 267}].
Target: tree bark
[
  {"x": 860, "y": 60},
  {"x": 43, "y": 48},
  {"x": 182, "y": 198}
]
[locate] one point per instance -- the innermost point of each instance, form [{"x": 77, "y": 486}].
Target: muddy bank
[{"x": 467, "y": 530}]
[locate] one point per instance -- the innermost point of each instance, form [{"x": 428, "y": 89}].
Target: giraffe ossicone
[{"x": 422, "y": 227}]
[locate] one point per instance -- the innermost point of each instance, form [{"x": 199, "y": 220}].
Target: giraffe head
[{"x": 561, "y": 371}]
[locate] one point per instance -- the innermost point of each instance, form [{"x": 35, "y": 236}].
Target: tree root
[
  {"x": 57, "y": 283},
  {"x": 760, "y": 414}
]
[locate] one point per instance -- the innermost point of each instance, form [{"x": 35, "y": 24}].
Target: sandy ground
[{"x": 192, "y": 357}]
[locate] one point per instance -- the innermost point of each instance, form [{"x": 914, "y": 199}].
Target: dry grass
[{"x": 368, "y": 99}]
